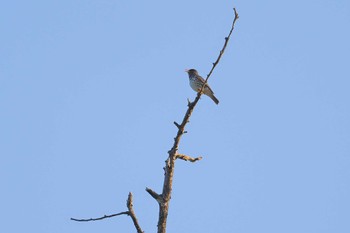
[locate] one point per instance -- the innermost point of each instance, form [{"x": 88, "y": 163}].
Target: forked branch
[{"x": 130, "y": 212}]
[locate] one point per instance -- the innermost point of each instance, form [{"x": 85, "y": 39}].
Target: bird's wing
[
  {"x": 207, "y": 85},
  {"x": 200, "y": 78}
]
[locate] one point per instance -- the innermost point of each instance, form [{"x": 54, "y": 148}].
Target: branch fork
[{"x": 130, "y": 212}]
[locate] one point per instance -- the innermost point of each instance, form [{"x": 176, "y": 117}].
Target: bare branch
[
  {"x": 170, "y": 162},
  {"x": 177, "y": 125},
  {"x": 188, "y": 158},
  {"x": 224, "y": 47},
  {"x": 130, "y": 213},
  {"x": 155, "y": 195},
  {"x": 129, "y": 204},
  {"x": 100, "y": 218}
]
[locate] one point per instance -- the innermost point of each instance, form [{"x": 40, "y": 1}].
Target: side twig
[
  {"x": 100, "y": 218},
  {"x": 188, "y": 158}
]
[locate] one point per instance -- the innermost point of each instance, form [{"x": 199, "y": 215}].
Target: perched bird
[{"x": 196, "y": 82}]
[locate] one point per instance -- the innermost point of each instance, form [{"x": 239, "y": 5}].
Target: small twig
[
  {"x": 177, "y": 125},
  {"x": 188, "y": 102},
  {"x": 100, "y": 218},
  {"x": 155, "y": 195},
  {"x": 188, "y": 158}
]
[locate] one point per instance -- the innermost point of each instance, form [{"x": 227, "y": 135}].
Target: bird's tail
[{"x": 214, "y": 98}]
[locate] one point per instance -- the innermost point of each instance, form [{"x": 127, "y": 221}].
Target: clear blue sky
[{"x": 89, "y": 91}]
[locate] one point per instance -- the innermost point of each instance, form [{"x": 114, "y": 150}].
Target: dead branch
[
  {"x": 129, "y": 204},
  {"x": 130, "y": 212},
  {"x": 188, "y": 158},
  {"x": 170, "y": 162},
  {"x": 100, "y": 218},
  {"x": 155, "y": 195}
]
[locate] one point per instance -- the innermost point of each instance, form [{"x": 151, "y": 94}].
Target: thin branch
[
  {"x": 154, "y": 195},
  {"x": 129, "y": 204},
  {"x": 224, "y": 47},
  {"x": 188, "y": 158},
  {"x": 100, "y": 218},
  {"x": 130, "y": 213},
  {"x": 170, "y": 162},
  {"x": 177, "y": 125}
]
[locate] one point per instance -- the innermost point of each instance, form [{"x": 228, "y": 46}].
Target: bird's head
[{"x": 191, "y": 72}]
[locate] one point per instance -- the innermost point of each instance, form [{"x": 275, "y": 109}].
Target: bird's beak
[{"x": 186, "y": 70}]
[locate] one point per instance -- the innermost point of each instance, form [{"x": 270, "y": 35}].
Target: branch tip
[
  {"x": 236, "y": 14},
  {"x": 100, "y": 218},
  {"x": 188, "y": 102},
  {"x": 188, "y": 158},
  {"x": 155, "y": 195},
  {"x": 129, "y": 204}
]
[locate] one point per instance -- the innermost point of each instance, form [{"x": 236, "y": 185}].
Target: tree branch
[
  {"x": 130, "y": 212},
  {"x": 188, "y": 158},
  {"x": 224, "y": 47},
  {"x": 100, "y": 218},
  {"x": 129, "y": 204},
  {"x": 154, "y": 195},
  {"x": 170, "y": 162}
]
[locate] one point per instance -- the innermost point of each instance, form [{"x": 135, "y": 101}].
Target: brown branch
[
  {"x": 170, "y": 162},
  {"x": 224, "y": 47},
  {"x": 188, "y": 158},
  {"x": 129, "y": 204},
  {"x": 130, "y": 213},
  {"x": 154, "y": 195},
  {"x": 100, "y": 218},
  {"x": 177, "y": 125}
]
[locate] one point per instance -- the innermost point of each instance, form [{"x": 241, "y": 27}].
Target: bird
[{"x": 196, "y": 82}]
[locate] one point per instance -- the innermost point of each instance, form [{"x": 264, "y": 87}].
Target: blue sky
[{"x": 89, "y": 91}]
